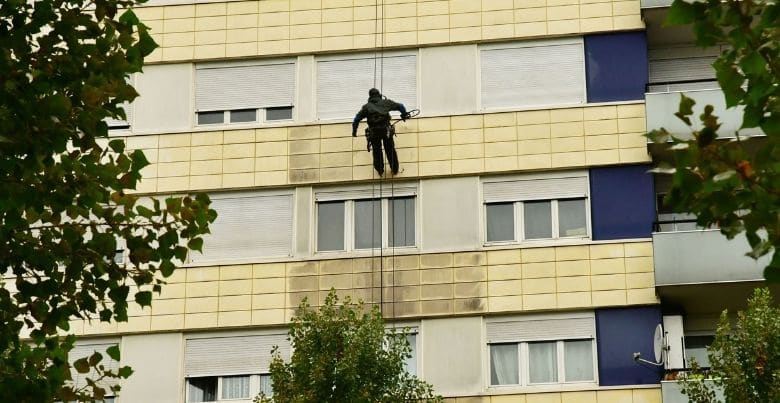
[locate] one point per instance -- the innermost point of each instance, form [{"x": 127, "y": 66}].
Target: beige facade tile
[
  {"x": 200, "y": 320},
  {"x": 168, "y": 306},
  {"x": 572, "y": 284},
  {"x": 563, "y": 27},
  {"x": 596, "y": 24},
  {"x": 574, "y": 300},
  {"x": 619, "y": 396},
  {"x": 506, "y": 256},
  {"x": 271, "y": 148},
  {"x": 235, "y": 287},
  {"x": 572, "y": 252},
  {"x": 639, "y": 154},
  {"x": 466, "y": 122},
  {"x": 539, "y": 286},
  {"x": 470, "y": 290},
  {"x": 234, "y": 318},
  {"x": 437, "y": 307},
  {"x": 628, "y": 22},
  {"x": 530, "y": 29},
  {"x": 436, "y": 291},
  {"x": 535, "y": 302},
  {"x": 608, "y": 266},
  {"x": 642, "y": 296},
  {"x": 631, "y": 111},
  {"x": 568, "y": 159},
  {"x": 567, "y": 129},
  {"x": 470, "y": 305},
  {"x": 503, "y": 288},
  {"x": 609, "y": 298},
  {"x": 509, "y": 303},
  {"x": 167, "y": 322},
  {"x": 602, "y": 157},
  {"x": 639, "y": 249},
  {"x": 436, "y": 276},
  {"x": 608, "y": 282},
  {"x": 268, "y": 316},
  {"x": 639, "y": 264},
  {"x": 467, "y": 136},
  {"x": 538, "y": 270},
  {"x": 536, "y": 255},
  {"x": 235, "y": 303},
  {"x": 640, "y": 280},
  {"x": 470, "y": 274},
  {"x": 573, "y": 268},
  {"x": 202, "y": 289},
  {"x": 268, "y": 301},
  {"x": 605, "y": 142},
  {"x": 268, "y": 270},
  {"x": 199, "y": 305},
  {"x": 134, "y": 324}
]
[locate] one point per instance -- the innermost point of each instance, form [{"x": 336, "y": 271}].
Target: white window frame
[
  {"x": 518, "y": 223},
  {"x": 413, "y": 329},
  {"x": 254, "y": 387},
  {"x": 260, "y": 118},
  {"x": 527, "y": 44},
  {"x": 357, "y": 56},
  {"x": 349, "y": 225},
  {"x": 523, "y": 355}
]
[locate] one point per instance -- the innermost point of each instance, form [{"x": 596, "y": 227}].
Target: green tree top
[
  {"x": 344, "y": 353},
  {"x": 726, "y": 183}
]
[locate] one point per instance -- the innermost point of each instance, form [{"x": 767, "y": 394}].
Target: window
[
  {"x": 343, "y": 83},
  {"x": 366, "y": 224},
  {"x": 536, "y": 209},
  {"x": 230, "y": 367},
  {"x": 540, "y": 350},
  {"x": 669, "y": 221},
  {"x": 244, "y": 93},
  {"x": 364, "y": 218},
  {"x": 223, "y": 388},
  {"x": 251, "y": 225},
  {"x": 87, "y": 349},
  {"x": 696, "y": 349},
  {"x": 533, "y": 73}
]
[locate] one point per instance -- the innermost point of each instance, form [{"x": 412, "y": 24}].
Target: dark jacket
[{"x": 377, "y": 112}]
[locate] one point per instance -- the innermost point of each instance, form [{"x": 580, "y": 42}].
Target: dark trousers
[{"x": 379, "y": 136}]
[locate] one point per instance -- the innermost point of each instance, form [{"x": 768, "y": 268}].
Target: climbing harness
[{"x": 390, "y": 127}]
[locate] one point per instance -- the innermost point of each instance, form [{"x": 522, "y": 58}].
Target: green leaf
[
  {"x": 685, "y": 109},
  {"x": 81, "y": 365},
  {"x": 125, "y": 372},
  {"x": 129, "y": 18},
  {"x": 143, "y": 298},
  {"x": 753, "y": 63},
  {"x": 771, "y": 124},
  {"x": 196, "y": 244},
  {"x": 680, "y": 13},
  {"x": 95, "y": 358},
  {"x": 117, "y": 145},
  {"x": 167, "y": 268},
  {"x": 113, "y": 352}
]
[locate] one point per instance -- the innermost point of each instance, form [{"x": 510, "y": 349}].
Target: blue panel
[
  {"x": 616, "y": 66},
  {"x": 622, "y": 202},
  {"x": 620, "y": 333}
]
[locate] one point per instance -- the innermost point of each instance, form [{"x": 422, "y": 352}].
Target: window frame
[
  {"x": 519, "y": 222},
  {"x": 260, "y": 114},
  {"x": 349, "y": 225},
  {"x": 367, "y": 56},
  {"x": 254, "y": 387},
  {"x": 533, "y": 43},
  {"x": 524, "y": 365}
]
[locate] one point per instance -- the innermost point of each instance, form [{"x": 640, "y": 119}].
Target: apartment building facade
[{"x": 516, "y": 243}]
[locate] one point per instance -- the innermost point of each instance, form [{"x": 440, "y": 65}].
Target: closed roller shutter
[
  {"x": 236, "y": 355},
  {"x": 669, "y": 65},
  {"x": 244, "y": 87},
  {"x": 536, "y": 189},
  {"x": 249, "y": 227},
  {"x": 542, "y": 329},
  {"x": 533, "y": 76},
  {"x": 342, "y": 85},
  {"x": 85, "y": 350}
]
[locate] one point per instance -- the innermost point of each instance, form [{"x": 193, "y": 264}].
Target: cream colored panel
[
  {"x": 156, "y": 360},
  {"x": 448, "y": 80},
  {"x": 452, "y": 355},
  {"x": 303, "y": 204},
  {"x": 304, "y": 102},
  {"x": 450, "y": 213},
  {"x": 165, "y": 100}
]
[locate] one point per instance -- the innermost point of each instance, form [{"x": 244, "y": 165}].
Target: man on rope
[{"x": 377, "y": 113}]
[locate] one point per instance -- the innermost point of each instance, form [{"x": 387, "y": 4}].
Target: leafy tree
[
  {"x": 725, "y": 183},
  {"x": 64, "y": 191},
  {"x": 343, "y": 353},
  {"x": 745, "y": 359}
]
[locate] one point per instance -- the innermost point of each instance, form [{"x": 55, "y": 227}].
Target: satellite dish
[{"x": 658, "y": 343}]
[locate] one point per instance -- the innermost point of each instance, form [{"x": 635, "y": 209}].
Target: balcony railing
[{"x": 694, "y": 256}]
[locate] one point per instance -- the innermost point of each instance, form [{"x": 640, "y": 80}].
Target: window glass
[
  {"x": 410, "y": 363},
  {"x": 202, "y": 389},
  {"x": 210, "y": 118},
  {"x": 500, "y": 218},
  {"x": 280, "y": 113},
  {"x": 578, "y": 357},
  {"x": 330, "y": 226},
  {"x": 537, "y": 219},
  {"x": 696, "y": 349},
  {"x": 235, "y": 387},
  {"x": 243, "y": 115},
  {"x": 504, "y": 364},
  {"x": 542, "y": 362},
  {"x": 266, "y": 385},
  {"x": 571, "y": 218},
  {"x": 402, "y": 221},
  {"x": 368, "y": 224}
]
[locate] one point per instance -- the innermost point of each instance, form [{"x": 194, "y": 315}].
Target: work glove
[
  {"x": 354, "y": 133},
  {"x": 405, "y": 116}
]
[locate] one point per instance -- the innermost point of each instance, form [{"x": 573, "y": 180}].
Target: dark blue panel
[
  {"x": 622, "y": 202},
  {"x": 616, "y": 66},
  {"x": 620, "y": 333}
]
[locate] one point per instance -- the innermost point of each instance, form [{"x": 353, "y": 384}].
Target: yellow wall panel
[{"x": 281, "y": 27}]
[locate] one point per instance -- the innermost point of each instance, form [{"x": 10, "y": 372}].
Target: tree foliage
[
  {"x": 64, "y": 200},
  {"x": 343, "y": 353},
  {"x": 726, "y": 183},
  {"x": 745, "y": 359}
]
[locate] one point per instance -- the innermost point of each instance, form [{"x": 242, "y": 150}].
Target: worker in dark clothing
[{"x": 377, "y": 113}]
